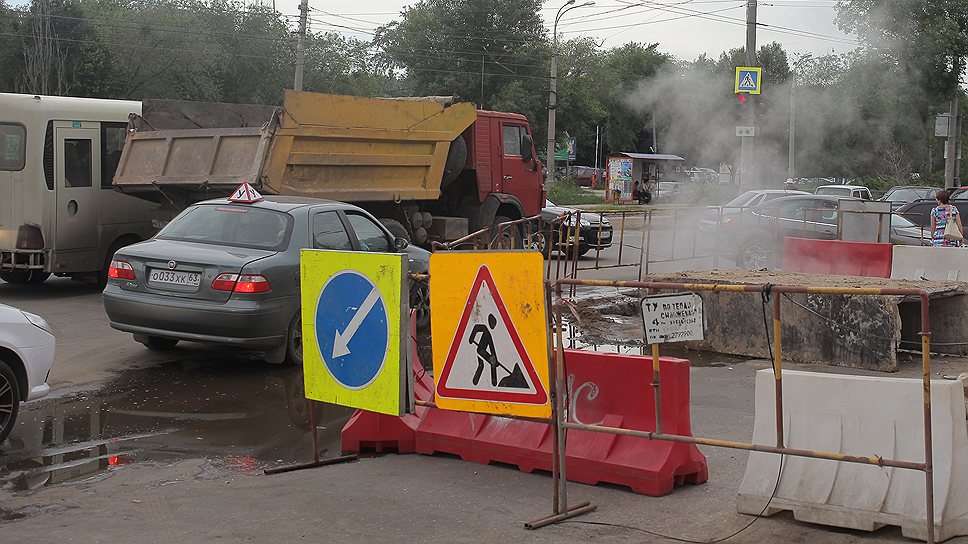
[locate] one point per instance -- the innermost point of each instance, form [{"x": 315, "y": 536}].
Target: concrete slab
[{"x": 853, "y": 331}]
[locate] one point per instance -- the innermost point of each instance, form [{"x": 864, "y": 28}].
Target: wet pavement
[{"x": 237, "y": 415}]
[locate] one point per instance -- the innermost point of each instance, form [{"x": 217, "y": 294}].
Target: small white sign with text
[{"x": 673, "y": 318}]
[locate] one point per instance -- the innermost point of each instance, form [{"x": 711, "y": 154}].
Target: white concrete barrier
[
  {"x": 868, "y": 416},
  {"x": 930, "y": 263}
]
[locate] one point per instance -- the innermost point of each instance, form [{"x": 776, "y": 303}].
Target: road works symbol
[{"x": 487, "y": 360}]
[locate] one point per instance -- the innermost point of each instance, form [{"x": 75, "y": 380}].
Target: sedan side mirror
[
  {"x": 400, "y": 244},
  {"x": 527, "y": 148}
]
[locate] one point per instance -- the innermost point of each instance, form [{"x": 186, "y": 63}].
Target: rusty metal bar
[
  {"x": 642, "y": 244},
  {"x": 559, "y": 417},
  {"x": 314, "y": 464},
  {"x": 656, "y": 390},
  {"x": 576, "y": 510},
  {"x": 879, "y": 461},
  {"x": 778, "y": 368},
  {"x": 647, "y": 247},
  {"x": 928, "y": 441},
  {"x": 751, "y": 288},
  {"x": 553, "y": 396}
]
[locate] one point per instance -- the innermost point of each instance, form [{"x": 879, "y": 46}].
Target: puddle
[{"x": 237, "y": 415}]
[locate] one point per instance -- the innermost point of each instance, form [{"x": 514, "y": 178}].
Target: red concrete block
[
  {"x": 837, "y": 257},
  {"x": 603, "y": 388}
]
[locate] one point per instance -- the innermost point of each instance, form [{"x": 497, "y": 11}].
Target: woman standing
[{"x": 940, "y": 215}]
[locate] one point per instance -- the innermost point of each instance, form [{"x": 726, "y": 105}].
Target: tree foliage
[{"x": 865, "y": 113}]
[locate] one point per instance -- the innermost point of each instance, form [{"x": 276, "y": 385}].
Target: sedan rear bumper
[{"x": 251, "y": 324}]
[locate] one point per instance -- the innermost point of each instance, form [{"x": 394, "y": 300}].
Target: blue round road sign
[{"x": 352, "y": 330}]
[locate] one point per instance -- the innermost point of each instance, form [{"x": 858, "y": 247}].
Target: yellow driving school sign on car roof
[
  {"x": 355, "y": 329},
  {"x": 489, "y": 329}
]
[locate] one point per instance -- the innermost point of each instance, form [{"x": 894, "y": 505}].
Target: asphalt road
[{"x": 144, "y": 446}]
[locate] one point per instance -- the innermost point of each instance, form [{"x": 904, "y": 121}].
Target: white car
[{"x": 26, "y": 355}]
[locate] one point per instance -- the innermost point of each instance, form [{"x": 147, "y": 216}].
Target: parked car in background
[
  {"x": 851, "y": 191},
  {"x": 667, "y": 191},
  {"x": 709, "y": 224},
  {"x": 902, "y": 194},
  {"x": 919, "y": 211},
  {"x": 228, "y": 273},
  {"x": 27, "y": 347},
  {"x": 757, "y": 235},
  {"x": 584, "y": 175},
  {"x": 594, "y": 231}
]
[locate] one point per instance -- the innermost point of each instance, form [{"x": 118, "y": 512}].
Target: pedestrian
[{"x": 940, "y": 216}]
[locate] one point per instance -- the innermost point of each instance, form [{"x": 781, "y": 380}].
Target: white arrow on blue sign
[{"x": 352, "y": 329}]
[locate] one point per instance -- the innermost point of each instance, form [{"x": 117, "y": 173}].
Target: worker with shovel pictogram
[{"x": 481, "y": 337}]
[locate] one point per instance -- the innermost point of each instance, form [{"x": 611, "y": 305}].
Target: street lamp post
[{"x": 553, "y": 88}]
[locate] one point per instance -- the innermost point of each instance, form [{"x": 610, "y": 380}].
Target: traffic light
[{"x": 742, "y": 97}]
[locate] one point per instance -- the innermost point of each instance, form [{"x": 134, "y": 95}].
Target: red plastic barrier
[
  {"x": 603, "y": 388},
  {"x": 370, "y": 431},
  {"x": 837, "y": 257}
]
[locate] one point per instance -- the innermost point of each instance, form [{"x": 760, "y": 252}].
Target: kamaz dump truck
[{"x": 429, "y": 168}]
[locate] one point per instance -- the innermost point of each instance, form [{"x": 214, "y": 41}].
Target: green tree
[
  {"x": 629, "y": 120},
  {"x": 471, "y": 48},
  {"x": 340, "y": 65}
]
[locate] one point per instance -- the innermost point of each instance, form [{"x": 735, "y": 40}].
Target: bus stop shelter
[{"x": 624, "y": 170}]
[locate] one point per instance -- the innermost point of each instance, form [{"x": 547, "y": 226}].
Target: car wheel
[
  {"x": 508, "y": 238},
  {"x": 753, "y": 255},
  {"x": 420, "y": 303},
  {"x": 157, "y": 343},
  {"x": 9, "y": 399},
  {"x": 541, "y": 241},
  {"x": 294, "y": 341},
  {"x": 583, "y": 249}
]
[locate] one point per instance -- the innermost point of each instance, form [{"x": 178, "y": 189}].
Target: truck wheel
[
  {"x": 456, "y": 159},
  {"x": 508, "y": 238},
  {"x": 396, "y": 228}
]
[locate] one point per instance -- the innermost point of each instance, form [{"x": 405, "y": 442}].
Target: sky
[{"x": 683, "y": 28}]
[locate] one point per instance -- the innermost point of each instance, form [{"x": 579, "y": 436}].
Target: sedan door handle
[{"x": 507, "y": 177}]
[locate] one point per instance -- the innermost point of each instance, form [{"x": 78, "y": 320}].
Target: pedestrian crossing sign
[
  {"x": 489, "y": 332},
  {"x": 748, "y": 80}
]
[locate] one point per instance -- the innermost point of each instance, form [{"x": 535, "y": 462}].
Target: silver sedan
[{"x": 227, "y": 273}]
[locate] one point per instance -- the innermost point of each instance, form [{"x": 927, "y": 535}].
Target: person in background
[{"x": 940, "y": 215}]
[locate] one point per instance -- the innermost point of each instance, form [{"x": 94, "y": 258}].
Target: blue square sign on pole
[{"x": 748, "y": 80}]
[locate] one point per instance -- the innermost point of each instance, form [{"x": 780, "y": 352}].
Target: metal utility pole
[
  {"x": 553, "y": 88},
  {"x": 746, "y": 149},
  {"x": 791, "y": 170},
  {"x": 953, "y": 143},
  {"x": 301, "y": 46}
]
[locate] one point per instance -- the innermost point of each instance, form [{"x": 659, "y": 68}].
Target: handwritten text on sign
[{"x": 673, "y": 318}]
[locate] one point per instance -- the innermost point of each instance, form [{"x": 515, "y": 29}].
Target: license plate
[{"x": 174, "y": 277}]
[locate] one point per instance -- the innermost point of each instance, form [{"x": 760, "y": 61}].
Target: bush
[{"x": 567, "y": 192}]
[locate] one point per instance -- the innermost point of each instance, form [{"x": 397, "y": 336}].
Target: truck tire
[
  {"x": 24, "y": 277},
  {"x": 456, "y": 159},
  {"x": 396, "y": 228},
  {"x": 428, "y": 220}
]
